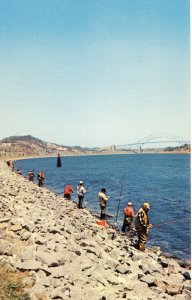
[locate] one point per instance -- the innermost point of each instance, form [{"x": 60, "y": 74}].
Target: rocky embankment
[{"x": 66, "y": 255}]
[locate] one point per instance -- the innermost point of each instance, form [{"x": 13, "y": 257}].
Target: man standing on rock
[
  {"x": 142, "y": 225},
  {"x": 103, "y": 201},
  {"x": 40, "y": 178},
  {"x": 80, "y": 192}
]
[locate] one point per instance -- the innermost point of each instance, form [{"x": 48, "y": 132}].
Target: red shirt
[
  {"x": 128, "y": 211},
  {"x": 68, "y": 189}
]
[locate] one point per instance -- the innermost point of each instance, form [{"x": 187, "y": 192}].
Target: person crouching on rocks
[
  {"x": 103, "y": 201},
  {"x": 142, "y": 225},
  {"x": 128, "y": 216},
  {"x": 31, "y": 175},
  {"x": 80, "y": 192},
  {"x": 68, "y": 191},
  {"x": 19, "y": 172}
]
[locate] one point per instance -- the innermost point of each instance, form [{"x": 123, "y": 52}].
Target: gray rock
[
  {"x": 187, "y": 285},
  {"x": 175, "y": 279},
  {"x": 25, "y": 236},
  {"x": 58, "y": 272},
  {"x": 5, "y": 248},
  {"x": 49, "y": 259},
  {"x": 182, "y": 297},
  {"x": 29, "y": 282},
  {"x": 39, "y": 290},
  {"x": 28, "y": 265},
  {"x": 123, "y": 269},
  {"x": 5, "y": 220},
  {"x": 173, "y": 289},
  {"x": 149, "y": 279},
  {"x": 16, "y": 227},
  {"x": 28, "y": 253},
  {"x": 29, "y": 226},
  {"x": 164, "y": 263},
  {"x": 40, "y": 241}
]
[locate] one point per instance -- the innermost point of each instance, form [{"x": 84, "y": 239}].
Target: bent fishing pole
[
  {"x": 163, "y": 224},
  {"x": 119, "y": 200},
  {"x": 169, "y": 222}
]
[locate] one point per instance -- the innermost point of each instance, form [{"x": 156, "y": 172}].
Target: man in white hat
[
  {"x": 142, "y": 225},
  {"x": 128, "y": 216},
  {"x": 80, "y": 192}
]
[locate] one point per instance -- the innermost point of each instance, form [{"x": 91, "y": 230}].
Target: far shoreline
[{"x": 16, "y": 157}]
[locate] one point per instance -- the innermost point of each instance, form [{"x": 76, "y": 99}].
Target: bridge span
[{"x": 163, "y": 140}]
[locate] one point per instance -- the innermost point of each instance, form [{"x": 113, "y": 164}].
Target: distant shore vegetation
[{"x": 185, "y": 147}]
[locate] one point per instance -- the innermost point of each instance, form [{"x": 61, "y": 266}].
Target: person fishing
[
  {"x": 40, "y": 178},
  {"x": 103, "y": 201},
  {"x": 19, "y": 171},
  {"x": 31, "y": 175},
  {"x": 142, "y": 225},
  {"x": 68, "y": 190},
  {"x": 128, "y": 216},
  {"x": 80, "y": 192}
]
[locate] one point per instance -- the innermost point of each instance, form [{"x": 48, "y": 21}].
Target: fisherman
[
  {"x": 128, "y": 216},
  {"x": 103, "y": 201},
  {"x": 68, "y": 191},
  {"x": 142, "y": 225},
  {"x": 80, "y": 192},
  {"x": 31, "y": 175},
  {"x": 40, "y": 178},
  {"x": 19, "y": 172},
  {"x": 9, "y": 163}
]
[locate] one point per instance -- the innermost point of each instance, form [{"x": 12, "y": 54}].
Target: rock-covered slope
[{"x": 68, "y": 256}]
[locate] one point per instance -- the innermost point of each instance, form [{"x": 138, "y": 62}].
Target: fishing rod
[
  {"x": 169, "y": 222},
  {"x": 120, "y": 197},
  {"x": 165, "y": 223}
]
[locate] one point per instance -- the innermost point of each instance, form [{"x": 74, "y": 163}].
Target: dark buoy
[{"x": 59, "y": 161}]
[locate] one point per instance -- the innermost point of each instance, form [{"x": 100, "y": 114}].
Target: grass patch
[{"x": 11, "y": 286}]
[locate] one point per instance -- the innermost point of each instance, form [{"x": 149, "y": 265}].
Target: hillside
[{"x": 30, "y": 146}]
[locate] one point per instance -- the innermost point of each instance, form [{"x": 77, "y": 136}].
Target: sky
[{"x": 94, "y": 72}]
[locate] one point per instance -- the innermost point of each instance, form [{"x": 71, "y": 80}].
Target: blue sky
[{"x": 95, "y": 72}]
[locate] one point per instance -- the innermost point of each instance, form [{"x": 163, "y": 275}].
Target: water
[{"x": 163, "y": 180}]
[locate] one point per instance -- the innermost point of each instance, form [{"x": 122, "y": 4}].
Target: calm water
[{"x": 163, "y": 180}]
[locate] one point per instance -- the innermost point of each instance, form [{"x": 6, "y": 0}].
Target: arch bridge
[{"x": 153, "y": 140}]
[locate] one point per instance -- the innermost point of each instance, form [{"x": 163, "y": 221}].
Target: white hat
[
  {"x": 81, "y": 182},
  {"x": 146, "y": 205},
  {"x": 130, "y": 203}
]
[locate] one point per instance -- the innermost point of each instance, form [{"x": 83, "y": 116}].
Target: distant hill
[
  {"x": 16, "y": 138},
  {"x": 28, "y": 145}
]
